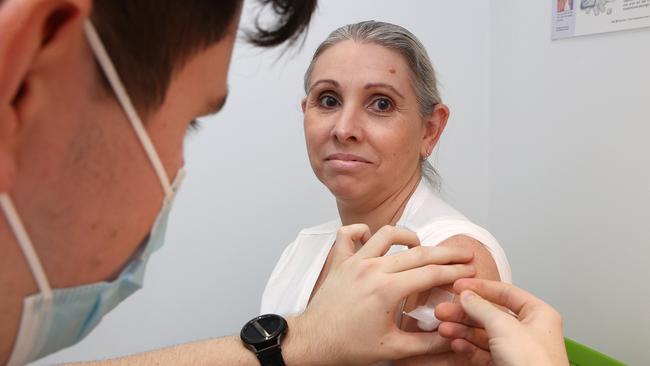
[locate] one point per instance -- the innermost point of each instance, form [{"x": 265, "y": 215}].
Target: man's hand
[
  {"x": 352, "y": 316},
  {"x": 487, "y": 335}
]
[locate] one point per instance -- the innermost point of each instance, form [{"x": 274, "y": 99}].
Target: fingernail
[{"x": 467, "y": 295}]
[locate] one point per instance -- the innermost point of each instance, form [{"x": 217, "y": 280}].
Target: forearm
[{"x": 220, "y": 351}]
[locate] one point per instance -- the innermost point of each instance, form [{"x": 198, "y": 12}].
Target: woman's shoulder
[
  {"x": 436, "y": 221},
  {"x": 466, "y": 233},
  {"x": 426, "y": 206}
]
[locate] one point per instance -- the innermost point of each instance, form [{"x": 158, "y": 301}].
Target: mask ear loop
[
  {"x": 26, "y": 245},
  {"x": 124, "y": 100},
  {"x": 6, "y": 203}
]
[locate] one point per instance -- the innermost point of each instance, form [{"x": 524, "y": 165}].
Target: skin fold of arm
[{"x": 485, "y": 269}]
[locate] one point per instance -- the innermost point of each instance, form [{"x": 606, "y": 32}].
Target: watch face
[{"x": 263, "y": 328}]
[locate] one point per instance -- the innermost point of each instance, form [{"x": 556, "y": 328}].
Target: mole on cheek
[{"x": 391, "y": 70}]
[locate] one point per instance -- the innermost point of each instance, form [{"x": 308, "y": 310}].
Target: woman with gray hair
[{"x": 372, "y": 116}]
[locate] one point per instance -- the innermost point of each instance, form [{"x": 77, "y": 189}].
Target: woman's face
[{"x": 364, "y": 133}]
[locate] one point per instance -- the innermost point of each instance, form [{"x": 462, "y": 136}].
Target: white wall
[
  {"x": 250, "y": 188},
  {"x": 570, "y": 172}
]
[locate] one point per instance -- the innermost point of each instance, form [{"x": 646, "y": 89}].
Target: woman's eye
[
  {"x": 328, "y": 101},
  {"x": 382, "y": 104}
]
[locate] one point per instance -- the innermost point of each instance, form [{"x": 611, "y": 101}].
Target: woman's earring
[{"x": 426, "y": 155}]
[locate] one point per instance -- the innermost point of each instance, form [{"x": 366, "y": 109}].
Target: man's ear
[
  {"x": 303, "y": 104},
  {"x": 433, "y": 127},
  {"x": 29, "y": 27}
]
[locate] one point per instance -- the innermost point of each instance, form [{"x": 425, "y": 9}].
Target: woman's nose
[{"x": 348, "y": 127}]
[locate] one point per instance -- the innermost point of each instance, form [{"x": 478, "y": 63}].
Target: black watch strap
[{"x": 271, "y": 356}]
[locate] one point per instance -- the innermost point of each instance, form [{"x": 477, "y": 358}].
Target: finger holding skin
[
  {"x": 344, "y": 246},
  {"x": 534, "y": 338},
  {"x": 499, "y": 293},
  {"x": 422, "y": 256},
  {"x": 527, "y": 307},
  {"x": 386, "y": 237},
  {"x": 358, "y": 301},
  {"x": 476, "y": 336},
  {"x": 453, "y": 312},
  {"x": 486, "y": 314},
  {"x": 424, "y": 278}
]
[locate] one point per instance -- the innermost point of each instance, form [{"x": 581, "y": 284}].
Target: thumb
[
  {"x": 346, "y": 237},
  {"x": 484, "y": 313}
]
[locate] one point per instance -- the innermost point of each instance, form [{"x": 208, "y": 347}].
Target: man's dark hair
[{"x": 148, "y": 40}]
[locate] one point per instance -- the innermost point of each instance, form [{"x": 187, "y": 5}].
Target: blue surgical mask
[{"x": 57, "y": 318}]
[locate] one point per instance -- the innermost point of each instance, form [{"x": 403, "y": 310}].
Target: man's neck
[{"x": 386, "y": 210}]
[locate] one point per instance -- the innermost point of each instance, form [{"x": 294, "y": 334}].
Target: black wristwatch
[{"x": 263, "y": 336}]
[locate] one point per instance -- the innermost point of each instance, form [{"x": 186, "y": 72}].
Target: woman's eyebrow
[
  {"x": 383, "y": 85},
  {"x": 324, "y": 81}
]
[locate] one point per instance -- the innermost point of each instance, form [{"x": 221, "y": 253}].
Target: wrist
[{"x": 300, "y": 346}]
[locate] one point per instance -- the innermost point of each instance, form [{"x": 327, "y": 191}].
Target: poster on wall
[{"x": 573, "y": 18}]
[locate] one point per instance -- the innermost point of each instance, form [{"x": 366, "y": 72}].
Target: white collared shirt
[{"x": 294, "y": 277}]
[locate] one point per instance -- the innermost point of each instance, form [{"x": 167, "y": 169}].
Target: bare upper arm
[{"x": 486, "y": 267}]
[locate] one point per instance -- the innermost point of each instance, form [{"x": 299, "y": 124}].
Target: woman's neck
[{"x": 377, "y": 213}]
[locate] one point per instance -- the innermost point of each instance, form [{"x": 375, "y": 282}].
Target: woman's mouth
[{"x": 346, "y": 161}]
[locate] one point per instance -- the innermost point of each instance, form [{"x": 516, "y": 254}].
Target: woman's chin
[{"x": 347, "y": 192}]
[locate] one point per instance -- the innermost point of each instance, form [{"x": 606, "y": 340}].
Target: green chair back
[{"x": 581, "y": 355}]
